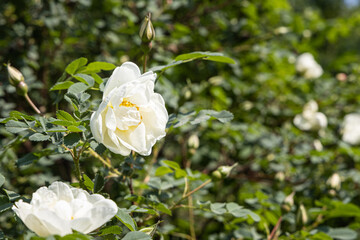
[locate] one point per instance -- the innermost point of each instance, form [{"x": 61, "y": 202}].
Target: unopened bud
[
  {"x": 15, "y": 76},
  {"x": 147, "y": 32},
  {"x": 289, "y": 200},
  {"x": 302, "y": 215},
  {"x": 147, "y": 230},
  {"x": 226, "y": 170},
  {"x": 22, "y": 89},
  {"x": 217, "y": 174},
  {"x": 194, "y": 141}
]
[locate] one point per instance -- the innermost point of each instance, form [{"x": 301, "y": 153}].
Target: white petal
[
  {"x": 62, "y": 190},
  {"x": 43, "y": 196},
  {"x": 82, "y": 224},
  {"x": 155, "y": 117},
  {"x": 110, "y": 120},
  {"x": 148, "y": 76},
  {"x": 102, "y": 212},
  {"x": 135, "y": 139},
  {"x": 94, "y": 198},
  {"x": 53, "y": 223},
  {"x": 63, "y": 210},
  {"x": 35, "y": 225},
  {"x": 127, "y": 117},
  {"x": 140, "y": 94},
  {"x": 96, "y": 126},
  {"x": 80, "y": 208},
  {"x": 22, "y": 209},
  {"x": 127, "y": 72},
  {"x": 79, "y": 193},
  {"x": 109, "y": 139}
]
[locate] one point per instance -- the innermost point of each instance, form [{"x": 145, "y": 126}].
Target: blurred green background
[{"x": 262, "y": 89}]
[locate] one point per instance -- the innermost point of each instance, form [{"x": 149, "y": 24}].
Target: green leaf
[
  {"x": 136, "y": 236},
  {"x": 75, "y": 129},
  {"x": 62, "y": 115},
  {"x": 64, "y": 123},
  {"x": 171, "y": 164},
  {"x": 179, "y": 173},
  {"x": 342, "y": 233},
  {"x": 75, "y": 65},
  {"x": 223, "y": 116},
  {"x": 196, "y": 118},
  {"x": 184, "y": 58},
  {"x": 27, "y": 159},
  {"x": 13, "y": 196},
  {"x": 71, "y": 140},
  {"x": 97, "y": 78},
  {"x": 75, "y": 236},
  {"x": 38, "y": 137},
  {"x": 211, "y": 56},
  {"x": 218, "y": 208},
  {"x": 61, "y": 85},
  {"x": 125, "y": 218},
  {"x": 78, "y": 88},
  {"x": 5, "y": 207},
  {"x": 96, "y": 67},
  {"x": 320, "y": 236},
  {"x": 162, "y": 170},
  {"x": 21, "y": 116},
  {"x": 2, "y": 180},
  {"x": 85, "y": 79},
  {"x": 98, "y": 182},
  {"x": 344, "y": 210},
  {"x": 15, "y": 126},
  {"x": 111, "y": 230},
  {"x": 56, "y": 129},
  {"x": 88, "y": 182}
]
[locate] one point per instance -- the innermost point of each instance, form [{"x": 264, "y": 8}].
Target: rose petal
[
  {"x": 127, "y": 72},
  {"x": 102, "y": 212},
  {"x": 135, "y": 139},
  {"x": 62, "y": 190}
]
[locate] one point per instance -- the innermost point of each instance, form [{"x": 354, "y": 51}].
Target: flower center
[{"x": 126, "y": 103}]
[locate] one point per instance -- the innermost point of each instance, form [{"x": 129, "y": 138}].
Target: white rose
[
  {"x": 334, "y": 181},
  {"x": 131, "y": 116},
  {"x": 310, "y": 119},
  {"x": 306, "y": 64},
  {"x": 351, "y": 129},
  {"x": 58, "y": 209}
]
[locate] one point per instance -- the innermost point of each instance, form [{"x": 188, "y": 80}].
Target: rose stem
[{"x": 32, "y": 104}]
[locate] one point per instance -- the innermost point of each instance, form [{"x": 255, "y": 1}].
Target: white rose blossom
[
  {"x": 351, "y": 129},
  {"x": 306, "y": 65},
  {"x": 131, "y": 116},
  {"x": 334, "y": 181},
  {"x": 310, "y": 119},
  {"x": 59, "y": 208}
]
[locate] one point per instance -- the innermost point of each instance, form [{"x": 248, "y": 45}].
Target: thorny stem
[
  {"x": 32, "y": 104},
  {"x": 106, "y": 163},
  {"x": 275, "y": 229},
  {"x": 191, "y": 218}
]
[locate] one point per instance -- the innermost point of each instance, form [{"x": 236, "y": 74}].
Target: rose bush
[
  {"x": 131, "y": 116},
  {"x": 306, "y": 65},
  {"x": 310, "y": 119},
  {"x": 58, "y": 209}
]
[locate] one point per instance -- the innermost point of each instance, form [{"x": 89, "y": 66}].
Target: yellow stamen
[{"x": 126, "y": 103}]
